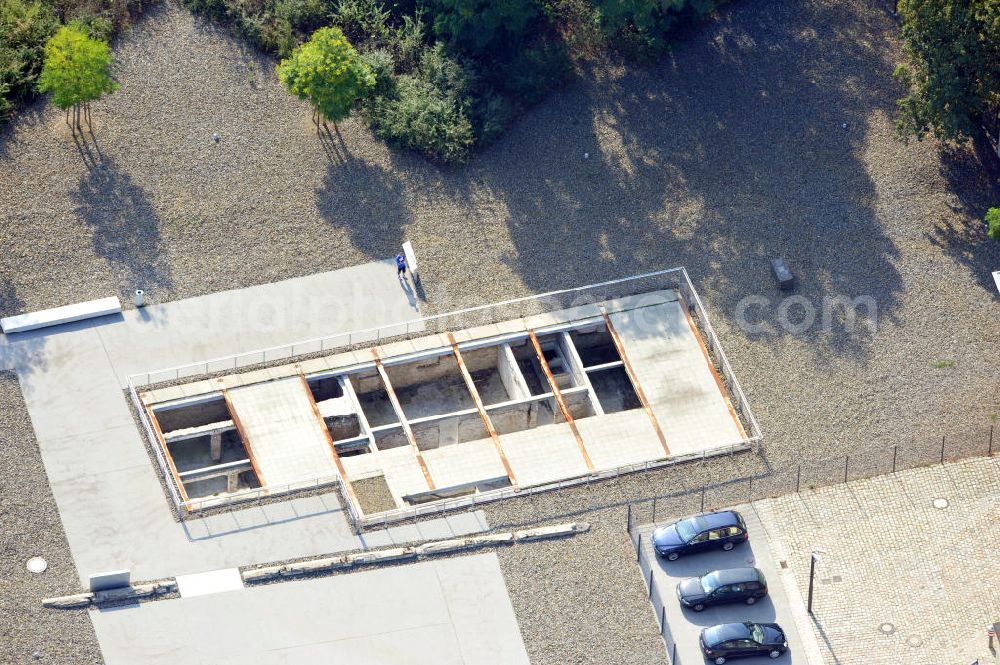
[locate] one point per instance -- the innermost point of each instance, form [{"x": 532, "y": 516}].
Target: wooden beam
[
  {"x": 559, "y": 398},
  {"x": 166, "y": 452},
  {"x": 640, "y": 393},
  {"x": 246, "y": 441},
  {"x": 470, "y": 384},
  {"x": 711, "y": 366},
  {"x": 402, "y": 419},
  {"x": 329, "y": 439}
]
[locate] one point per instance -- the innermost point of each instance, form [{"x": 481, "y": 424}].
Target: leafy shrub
[
  {"x": 531, "y": 73},
  {"x": 382, "y": 65},
  {"x": 478, "y": 25},
  {"x": 409, "y": 41},
  {"x": 365, "y": 22},
  {"x": 421, "y": 118},
  {"x": 490, "y": 114},
  {"x": 24, "y": 28},
  {"x": 993, "y": 223},
  {"x": 302, "y": 15},
  {"x": 444, "y": 73},
  {"x": 216, "y": 9}
]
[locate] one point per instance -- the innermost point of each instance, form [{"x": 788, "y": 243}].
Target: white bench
[
  {"x": 996, "y": 279},
  {"x": 58, "y": 315}
]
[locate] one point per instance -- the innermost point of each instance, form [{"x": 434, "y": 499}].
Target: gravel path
[{"x": 31, "y": 527}]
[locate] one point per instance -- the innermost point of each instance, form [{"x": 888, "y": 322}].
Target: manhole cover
[
  {"x": 887, "y": 628},
  {"x": 940, "y": 504},
  {"x": 914, "y": 640},
  {"x": 36, "y": 564}
]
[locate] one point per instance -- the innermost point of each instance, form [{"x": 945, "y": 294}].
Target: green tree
[
  {"x": 993, "y": 223},
  {"x": 24, "y": 28},
  {"x": 328, "y": 73},
  {"x": 476, "y": 25},
  {"x": 77, "y": 71},
  {"x": 952, "y": 66}
]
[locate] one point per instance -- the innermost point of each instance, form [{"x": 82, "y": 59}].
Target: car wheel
[
  {"x": 751, "y": 600},
  {"x": 774, "y": 653},
  {"x": 673, "y": 556},
  {"x": 698, "y": 608},
  {"x": 719, "y": 661},
  {"x": 728, "y": 545}
]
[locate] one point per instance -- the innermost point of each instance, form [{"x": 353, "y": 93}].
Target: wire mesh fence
[{"x": 978, "y": 442}]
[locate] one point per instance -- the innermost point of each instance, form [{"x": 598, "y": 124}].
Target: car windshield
[
  {"x": 757, "y": 633},
  {"x": 710, "y": 582},
  {"x": 688, "y": 529}
]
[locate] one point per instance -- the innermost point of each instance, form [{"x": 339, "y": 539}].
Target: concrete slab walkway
[
  {"x": 113, "y": 507},
  {"x": 449, "y": 612}
]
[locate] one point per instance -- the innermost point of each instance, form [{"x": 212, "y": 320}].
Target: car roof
[
  {"x": 726, "y": 631},
  {"x": 737, "y": 575},
  {"x": 724, "y": 518}
]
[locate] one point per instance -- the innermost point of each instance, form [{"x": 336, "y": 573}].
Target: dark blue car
[
  {"x": 739, "y": 640},
  {"x": 724, "y": 530}
]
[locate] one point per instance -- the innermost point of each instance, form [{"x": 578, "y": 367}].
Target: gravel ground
[
  {"x": 767, "y": 132},
  {"x": 730, "y": 151},
  {"x": 31, "y": 527}
]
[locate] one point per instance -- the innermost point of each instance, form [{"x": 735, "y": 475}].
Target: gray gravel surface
[
  {"x": 31, "y": 527},
  {"x": 730, "y": 151},
  {"x": 767, "y": 132}
]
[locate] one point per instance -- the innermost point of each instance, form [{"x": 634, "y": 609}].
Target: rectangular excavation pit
[
  {"x": 205, "y": 447},
  {"x": 595, "y": 345},
  {"x": 442, "y": 418},
  {"x": 429, "y": 387},
  {"x": 614, "y": 389},
  {"x": 373, "y": 398}
]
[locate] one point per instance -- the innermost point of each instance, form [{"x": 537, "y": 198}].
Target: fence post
[
  {"x": 628, "y": 521},
  {"x": 990, "y": 450},
  {"x": 847, "y": 460},
  {"x": 750, "y": 491},
  {"x": 942, "y": 449},
  {"x": 895, "y": 449},
  {"x": 663, "y": 618},
  {"x": 798, "y": 479},
  {"x": 651, "y": 583},
  {"x": 702, "y": 498},
  {"x": 654, "y": 510}
]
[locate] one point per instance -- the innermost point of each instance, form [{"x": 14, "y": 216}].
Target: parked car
[
  {"x": 732, "y": 585},
  {"x": 723, "y": 529},
  {"x": 737, "y": 640}
]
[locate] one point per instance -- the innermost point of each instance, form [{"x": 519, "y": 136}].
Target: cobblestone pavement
[{"x": 899, "y": 580}]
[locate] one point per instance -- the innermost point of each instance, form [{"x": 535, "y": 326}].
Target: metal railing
[{"x": 675, "y": 279}]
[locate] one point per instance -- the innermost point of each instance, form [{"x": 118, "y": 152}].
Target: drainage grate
[{"x": 887, "y": 628}]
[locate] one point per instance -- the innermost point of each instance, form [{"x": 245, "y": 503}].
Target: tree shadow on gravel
[
  {"x": 125, "y": 225},
  {"x": 731, "y": 151},
  {"x": 973, "y": 175},
  {"x": 354, "y": 190}
]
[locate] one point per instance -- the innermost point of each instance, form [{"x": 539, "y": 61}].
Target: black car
[
  {"x": 736, "y": 640},
  {"x": 733, "y": 585},
  {"x": 724, "y": 529}
]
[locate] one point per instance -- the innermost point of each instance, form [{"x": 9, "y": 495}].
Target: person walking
[{"x": 400, "y": 266}]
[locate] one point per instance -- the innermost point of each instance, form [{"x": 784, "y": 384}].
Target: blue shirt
[{"x": 400, "y": 262}]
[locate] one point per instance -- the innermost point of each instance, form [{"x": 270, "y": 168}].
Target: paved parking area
[
  {"x": 910, "y": 569},
  {"x": 683, "y": 626}
]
